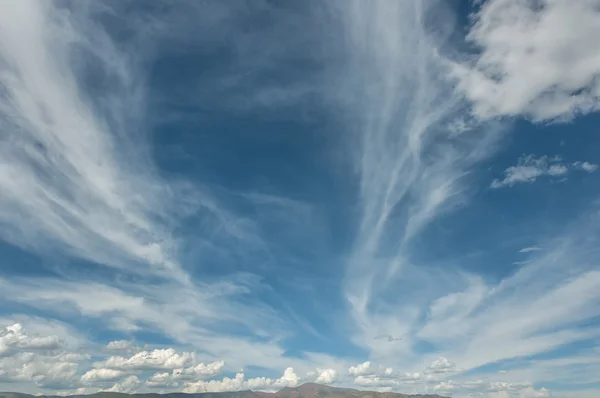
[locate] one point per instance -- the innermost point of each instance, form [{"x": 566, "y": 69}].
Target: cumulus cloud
[
  {"x": 326, "y": 376},
  {"x": 149, "y": 360},
  {"x": 129, "y": 385},
  {"x": 161, "y": 380},
  {"x": 200, "y": 370},
  {"x": 288, "y": 379},
  {"x": 120, "y": 345},
  {"x": 586, "y": 166},
  {"x": 364, "y": 368},
  {"x": 194, "y": 373},
  {"x": 529, "y": 168},
  {"x": 101, "y": 375},
  {"x": 538, "y": 59},
  {"x": 44, "y": 371},
  {"x": 441, "y": 365},
  {"x": 13, "y": 338}
]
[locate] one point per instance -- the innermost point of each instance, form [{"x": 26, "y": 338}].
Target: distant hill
[{"x": 307, "y": 390}]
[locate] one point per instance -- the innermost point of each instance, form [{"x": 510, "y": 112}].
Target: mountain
[{"x": 307, "y": 390}]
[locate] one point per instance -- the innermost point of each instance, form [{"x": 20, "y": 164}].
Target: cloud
[
  {"x": 530, "y": 249},
  {"x": 288, "y": 379},
  {"x": 412, "y": 148},
  {"x": 183, "y": 314},
  {"x": 129, "y": 385},
  {"x": 441, "y": 365},
  {"x": 326, "y": 376},
  {"x": 361, "y": 369},
  {"x": 150, "y": 360},
  {"x": 482, "y": 311},
  {"x": 586, "y": 166},
  {"x": 43, "y": 371},
  {"x": 64, "y": 159},
  {"x": 120, "y": 345},
  {"x": 13, "y": 339},
  {"x": 200, "y": 370},
  {"x": 529, "y": 168},
  {"x": 70, "y": 373},
  {"x": 194, "y": 373},
  {"x": 535, "y": 59},
  {"x": 101, "y": 375},
  {"x": 71, "y": 159}
]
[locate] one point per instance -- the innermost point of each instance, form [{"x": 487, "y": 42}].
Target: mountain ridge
[{"x": 306, "y": 390}]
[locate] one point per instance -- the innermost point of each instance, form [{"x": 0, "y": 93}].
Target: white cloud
[
  {"x": 145, "y": 360},
  {"x": 586, "y": 166},
  {"x": 538, "y": 59},
  {"x": 161, "y": 380},
  {"x": 194, "y": 373},
  {"x": 530, "y": 249},
  {"x": 406, "y": 160},
  {"x": 198, "y": 371},
  {"x": 361, "y": 369},
  {"x": 326, "y": 376},
  {"x": 288, "y": 379},
  {"x": 129, "y": 385},
  {"x": 529, "y": 168},
  {"x": 96, "y": 198},
  {"x": 13, "y": 339},
  {"x": 412, "y": 147},
  {"x": 181, "y": 313},
  {"x": 441, "y": 365},
  {"x": 226, "y": 384},
  {"x": 119, "y": 345},
  {"x": 374, "y": 381},
  {"x": 43, "y": 371},
  {"x": 101, "y": 375}
]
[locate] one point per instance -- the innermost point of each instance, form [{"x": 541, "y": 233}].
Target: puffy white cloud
[
  {"x": 120, "y": 345},
  {"x": 145, "y": 360},
  {"x": 288, "y": 379},
  {"x": 441, "y": 365},
  {"x": 445, "y": 386},
  {"x": 161, "y": 380},
  {"x": 200, "y": 370},
  {"x": 374, "y": 381},
  {"x": 540, "y": 59},
  {"x": 129, "y": 385},
  {"x": 193, "y": 373},
  {"x": 101, "y": 375},
  {"x": 586, "y": 166},
  {"x": 529, "y": 168},
  {"x": 362, "y": 369},
  {"x": 44, "y": 371},
  {"x": 13, "y": 338},
  {"x": 326, "y": 376},
  {"x": 226, "y": 384}
]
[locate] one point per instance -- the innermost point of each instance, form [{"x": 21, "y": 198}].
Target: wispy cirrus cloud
[
  {"x": 76, "y": 155},
  {"x": 70, "y": 163},
  {"x": 78, "y": 177},
  {"x": 410, "y": 160},
  {"x": 412, "y": 165}
]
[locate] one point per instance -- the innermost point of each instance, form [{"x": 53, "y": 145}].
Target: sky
[{"x": 228, "y": 195}]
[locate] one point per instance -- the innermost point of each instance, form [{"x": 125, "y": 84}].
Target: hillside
[{"x": 308, "y": 390}]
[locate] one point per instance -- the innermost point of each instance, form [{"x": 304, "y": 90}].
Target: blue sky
[{"x": 217, "y": 196}]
